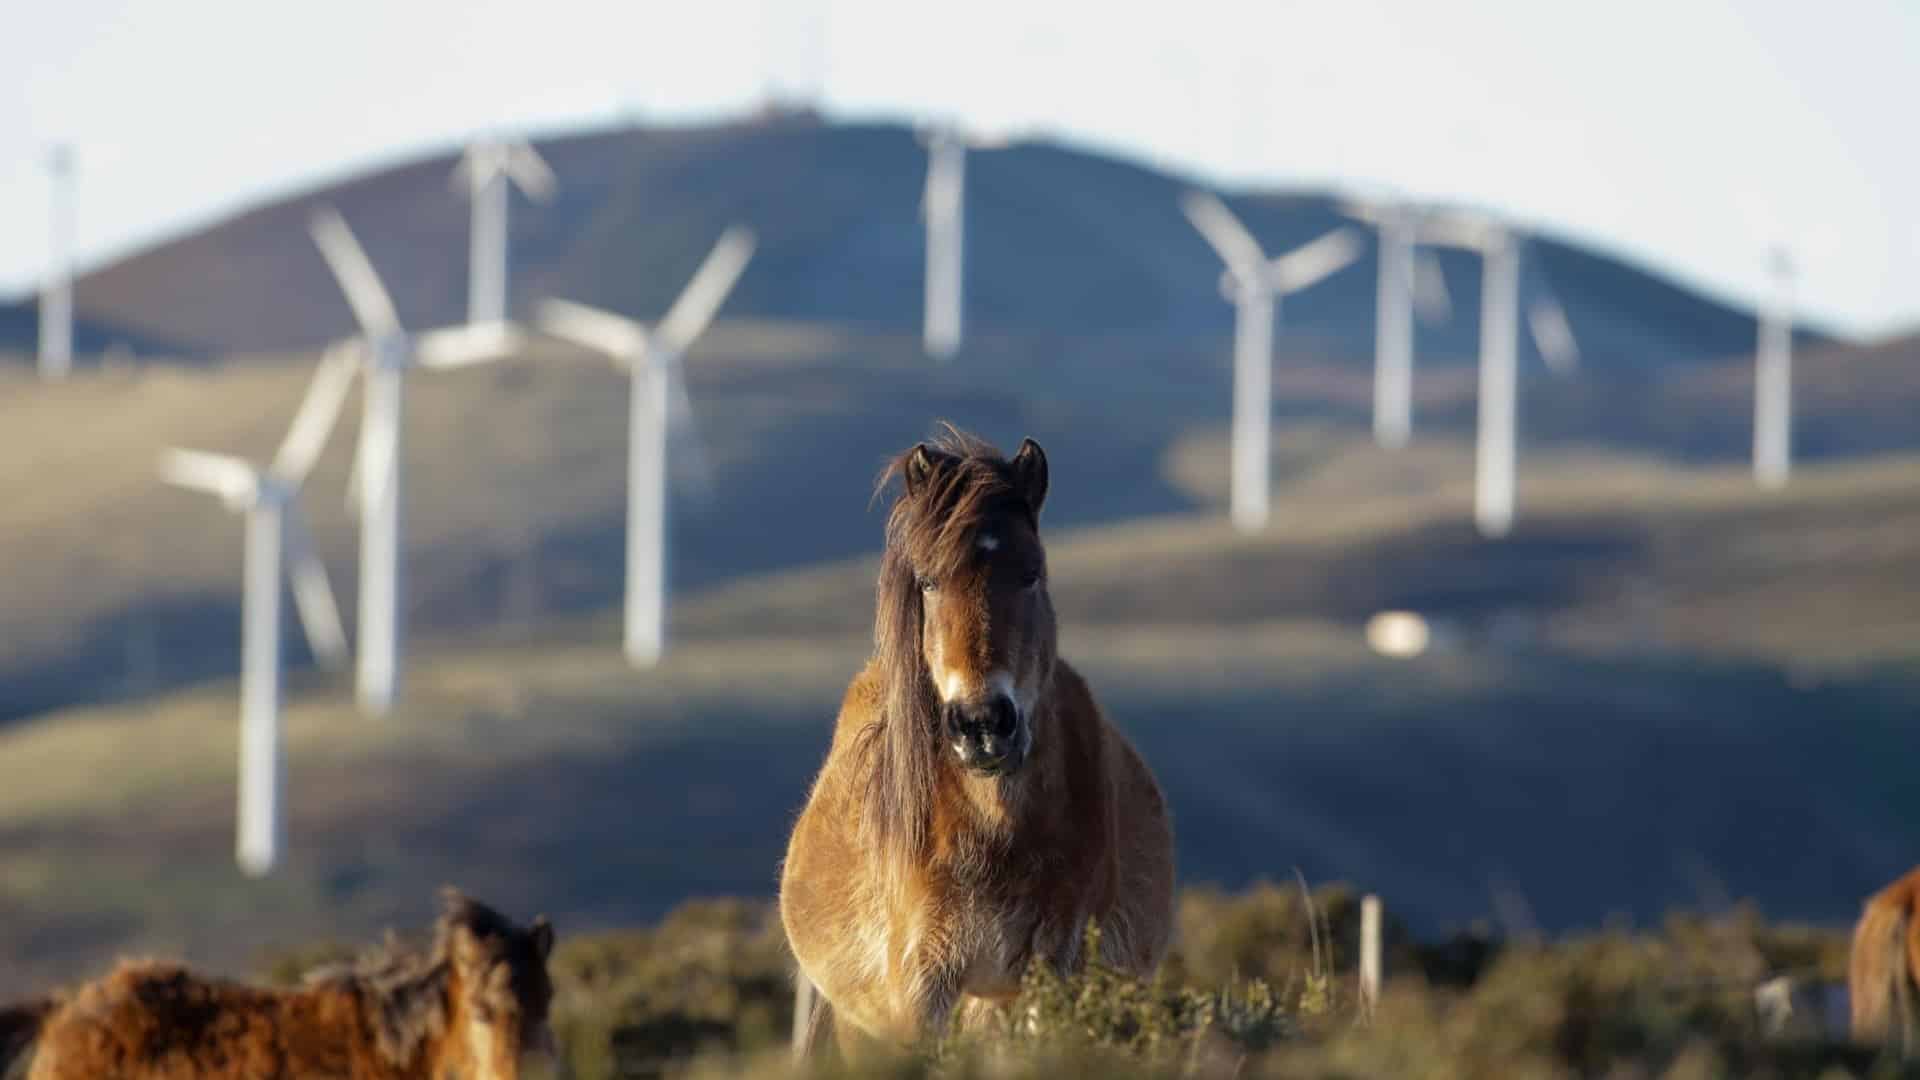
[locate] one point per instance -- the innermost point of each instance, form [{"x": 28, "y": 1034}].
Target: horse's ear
[
  {"x": 542, "y": 931},
  {"x": 919, "y": 466},
  {"x": 1030, "y": 474}
]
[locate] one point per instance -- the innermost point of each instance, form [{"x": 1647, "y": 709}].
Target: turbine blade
[
  {"x": 530, "y": 170},
  {"x": 592, "y": 328},
  {"x": 687, "y": 449},
  {"x": 1228, "y": 238},
  {"x": 372, "y": 307},
  {"x": 354, "y": 482},
  {"x": 701, "y": 299},
  {"x": 1316, "y": 260},
  {"x": 1431, "y": 298},
  {"x": 1553, "y": 335},
  {"x": 319, "y": 411},
  {"x": 464, "y": 172},
  {"x": 218, "y": 474},
  {"x": 464, "y": 346},
  {"x": 312, "y": 591},
  {"x": 1370, "y": 212}
]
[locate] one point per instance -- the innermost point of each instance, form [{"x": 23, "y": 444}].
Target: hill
[{"x": 1060, "y": 241}]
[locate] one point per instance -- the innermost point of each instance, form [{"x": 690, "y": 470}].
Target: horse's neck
[{"x": 407, "y": 1015}]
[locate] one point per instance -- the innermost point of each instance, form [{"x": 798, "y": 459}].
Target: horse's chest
[{"x": 994, "y": 941}]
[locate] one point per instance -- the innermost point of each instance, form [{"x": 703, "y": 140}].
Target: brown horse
[
  {"x": 1883, "y": 977},
  {"x": 976, "y": 807},
  {"x": 470, "y": 1006}
]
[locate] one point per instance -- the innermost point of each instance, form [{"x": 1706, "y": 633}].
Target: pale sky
[{"x": 1690, "y": 134}]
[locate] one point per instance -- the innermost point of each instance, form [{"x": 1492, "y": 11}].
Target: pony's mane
[
  {"x": 403, "y": 989},
  {"x": 930, "y": 530}
]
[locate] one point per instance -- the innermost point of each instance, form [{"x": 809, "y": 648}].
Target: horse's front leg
[{"x": 927, "y": 982}]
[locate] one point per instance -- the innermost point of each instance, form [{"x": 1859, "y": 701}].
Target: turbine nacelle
[
  {"x": 1301, "y": 268},
  {"x": 514, "y": 159}
]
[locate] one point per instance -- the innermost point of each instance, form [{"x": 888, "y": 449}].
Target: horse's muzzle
[{"x": 988, "y": 736}]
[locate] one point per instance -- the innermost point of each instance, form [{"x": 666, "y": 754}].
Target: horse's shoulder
[
  {"x": 1070, "y": 688},
  {"x": 865, "y": 692},
  {"x": 1902, "y": 895},
  {"x": 861, "y": 705}
]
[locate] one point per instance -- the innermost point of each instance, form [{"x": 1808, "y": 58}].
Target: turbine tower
[
  {"x": 1773, "y": 379},
  {"x": 1410, "y": 281},
  {"x": 1500, "y": 251},
  {"x": 277, "y": 536},
  {"x": 1255, "y": 284},
  {"x": 489, "y": 169},
  {"x": 388, "y": 352},
  {"x": 652, "y": 358},
  {"x": 56, "y": 298},
  {"x": 944, "y": 208}
]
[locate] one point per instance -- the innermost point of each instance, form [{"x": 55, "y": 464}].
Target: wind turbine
[
  {"x": 277, "y": 536},
  {"x": 389, "y": 351},
  {"x": 489, "y": 169},
  {"x": 944, "y": 208},
  {"x": 1410, "y": 280},
  {"x": 1500, "y": 251},
  {"x": 652, "y": 358},
  {"x": 1255, "y": 284},
  {"x": 1773, "y": 379},
  {"x": 56, "y": 299}
]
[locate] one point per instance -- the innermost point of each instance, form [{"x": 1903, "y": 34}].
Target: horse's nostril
[{"x": 1006, "y": 718}]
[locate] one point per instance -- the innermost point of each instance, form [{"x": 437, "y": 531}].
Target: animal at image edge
[
  {"x": 473, "y": 1004},
  {"x": 976, "y": 807},
  {"x": 1883, "y": 975}
]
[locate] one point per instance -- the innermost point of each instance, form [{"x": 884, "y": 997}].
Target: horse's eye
[
  {"x": 1030, "y": 579},
  {"x": 928, "y": 584}
]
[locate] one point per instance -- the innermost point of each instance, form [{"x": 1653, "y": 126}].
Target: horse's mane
[
  {"x": 403, "y": 988},
  {"x": 929, "y": 533}
]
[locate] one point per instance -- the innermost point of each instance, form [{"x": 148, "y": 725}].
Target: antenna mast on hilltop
[{"x": 56, "y": 298}]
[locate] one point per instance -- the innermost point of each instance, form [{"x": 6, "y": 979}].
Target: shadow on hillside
[
  {"x": 1561, "y": 795},
  {"x": 159, "y": 645}
]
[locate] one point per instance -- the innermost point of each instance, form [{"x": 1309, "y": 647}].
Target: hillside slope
[
  {"x": 517, "y": 474},
  {"x": 1060, "y": 242},
  {"x": 1665, "y": 689}
]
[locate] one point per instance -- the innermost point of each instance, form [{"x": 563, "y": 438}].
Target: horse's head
[
  {"x": 500, "y": 972},
  {"x": 964, "y": 538}
]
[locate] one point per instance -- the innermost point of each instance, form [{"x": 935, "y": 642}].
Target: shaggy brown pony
[
  {"x": 470, "y": 1006},
  {"x": 976, "y": 807},
  {"x": 1883, "y": 977}
]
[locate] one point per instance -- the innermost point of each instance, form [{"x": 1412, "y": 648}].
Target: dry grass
[{"x": 707, "y": 994}]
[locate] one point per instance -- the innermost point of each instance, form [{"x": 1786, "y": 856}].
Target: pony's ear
[
  {"x": 542, "y": 932},
  {"x": 920, "y": 464},
  {"x": 1030, "y": 474}
]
